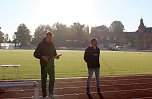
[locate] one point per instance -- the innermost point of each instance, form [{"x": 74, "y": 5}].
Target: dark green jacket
[
  {"x": 44, "y": 49},
  {"x": 91, "y": 57}
]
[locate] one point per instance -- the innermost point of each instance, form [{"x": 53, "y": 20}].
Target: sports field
[{"x": 71, "y": 64}]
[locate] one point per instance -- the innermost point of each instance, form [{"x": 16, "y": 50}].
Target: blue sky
[{"x": 89, "y": 12}]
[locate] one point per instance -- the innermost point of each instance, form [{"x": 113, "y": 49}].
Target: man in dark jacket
[
  {"x": 46, "y": 52},
  {"x": 91, "y": 57}
]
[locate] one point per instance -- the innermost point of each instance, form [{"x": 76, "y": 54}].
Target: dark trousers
[{"x": 50, "y": 70}]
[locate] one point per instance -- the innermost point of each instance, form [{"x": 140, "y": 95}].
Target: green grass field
[{"x": 71, "y": 64}]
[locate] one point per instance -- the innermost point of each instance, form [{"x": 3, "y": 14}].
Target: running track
[{"x": 126, "y": 87}]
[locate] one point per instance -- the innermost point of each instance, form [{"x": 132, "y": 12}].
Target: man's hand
[
  {"x": 58, "y": 56},
  {"x": 45, "y": 58}
]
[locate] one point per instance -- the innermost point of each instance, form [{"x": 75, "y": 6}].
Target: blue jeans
[{"x": 97, "y": 74}]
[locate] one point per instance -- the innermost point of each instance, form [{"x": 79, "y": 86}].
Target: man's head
[
  {"x": 49, "y": 37},
  {"x": 94, "y": 42}
]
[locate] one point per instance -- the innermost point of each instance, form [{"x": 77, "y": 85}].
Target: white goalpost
[{"x": 20, "y": 84}]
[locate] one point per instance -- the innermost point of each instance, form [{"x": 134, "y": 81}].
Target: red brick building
[{"x": 141, "y": 39}]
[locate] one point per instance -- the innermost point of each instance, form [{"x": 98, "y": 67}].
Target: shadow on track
[
  {"x": 90, "y": 97},
  {"x": 100, "y": 95}
]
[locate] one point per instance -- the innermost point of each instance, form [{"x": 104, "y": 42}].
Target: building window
[
  {"x": 102, "y": 37},
  {"x": 114, "y": 38},
  {"x": 108, "y": 38}
]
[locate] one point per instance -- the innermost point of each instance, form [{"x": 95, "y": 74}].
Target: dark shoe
[
  {"x": 98, "y": 90},
  {"x": 44, "y": 97},
  {"x": 88, "y": 91}
]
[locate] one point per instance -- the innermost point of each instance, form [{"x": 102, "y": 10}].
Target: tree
[
  {"x": 77, "y": 30},
  {"x": 85, "y": 36},
  {"x": 99, "y": 29},
  {"x": 22, "y": 36},
  {"x": 78, "y": 33},
  {"x": 1, "y": 36},
  {"x": 98, "y": 32},
  {"x": 6, "y": 38},
  {"x": 116, "y": 26},
  {"x": 40, "y": 33},
  {"x": 61, "y": 34}
]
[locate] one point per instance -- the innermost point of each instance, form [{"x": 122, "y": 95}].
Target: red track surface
[{"x": 128, "y": 87}]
